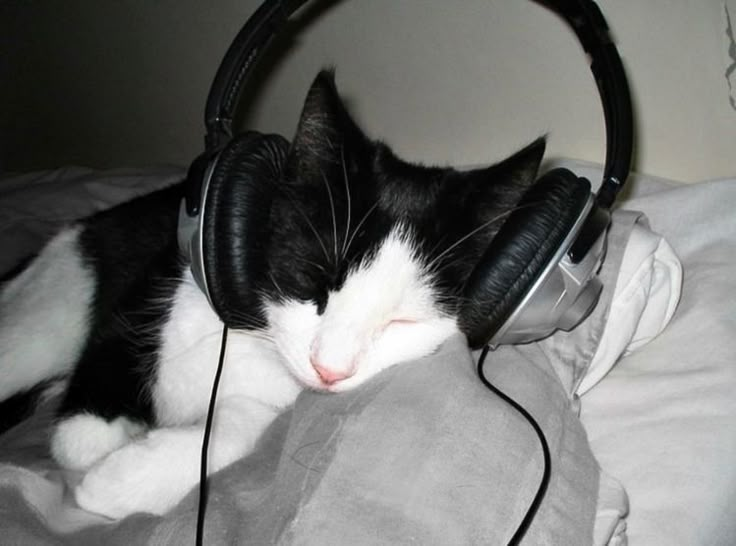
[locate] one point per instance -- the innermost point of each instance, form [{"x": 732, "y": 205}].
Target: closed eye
[{"x": 398, "y": 321}]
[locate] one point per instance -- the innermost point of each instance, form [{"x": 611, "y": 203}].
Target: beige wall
[{"x": 119, "y": 83}]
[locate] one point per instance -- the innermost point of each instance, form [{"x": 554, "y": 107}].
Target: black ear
[
  {"x": 523, "y": 166},
  {"x": 324, "y": 125},
  {"x": 325, "y": 133},
  {"x": 507, "y": 181}
]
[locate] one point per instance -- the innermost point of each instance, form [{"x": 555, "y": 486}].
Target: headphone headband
[
  {"x": 240, "y": 59},
  {"x": 537, "y": 275},
  {"x": 584, "y": 16},
  {"x": 592, "y": 31}
]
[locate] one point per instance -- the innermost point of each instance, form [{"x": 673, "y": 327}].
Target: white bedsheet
[
  {"x": 663, "y": 420},
  {"x": 33, "y": 206},
  {"x": 647, "y": 292}
]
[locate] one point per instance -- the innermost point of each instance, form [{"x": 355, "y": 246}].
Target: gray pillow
[{"x": 423, "y": 454}]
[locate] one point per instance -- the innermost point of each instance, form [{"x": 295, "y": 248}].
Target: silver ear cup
[
  {"x": 189, "y": 238},
  {"x": 563, "y": 294},
  {"x": 189, "y": 234}
]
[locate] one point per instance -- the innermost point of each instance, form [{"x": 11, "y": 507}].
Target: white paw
[
  {"x": 140, "y": 477},
  {"x": 83, "y": 439}
]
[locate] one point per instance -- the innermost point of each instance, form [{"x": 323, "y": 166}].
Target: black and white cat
[{"x": 365, "y": 261}]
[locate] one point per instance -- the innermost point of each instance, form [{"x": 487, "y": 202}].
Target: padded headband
[{"x": 583, "y": 16}]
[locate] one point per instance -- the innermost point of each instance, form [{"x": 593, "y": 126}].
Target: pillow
[
  {"x": 663, "y": 419},
  {"x": 647, "y": 292}
]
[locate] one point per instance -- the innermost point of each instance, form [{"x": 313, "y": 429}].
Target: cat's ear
[
  {"x": 325, "y": 130},
  {"x": 521, "y": 169},
  {"x": 506, "y": 182}
]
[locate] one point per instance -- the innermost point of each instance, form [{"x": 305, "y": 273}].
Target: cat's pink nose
[{"x": 328, "y": 375}]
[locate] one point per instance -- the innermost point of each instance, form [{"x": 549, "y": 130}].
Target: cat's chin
[
  {"x": 316, "y": 384},
  {"x": 326, "y": 389}
]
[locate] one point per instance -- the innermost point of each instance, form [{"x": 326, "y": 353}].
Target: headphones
[{"x": 539, "y": 272}]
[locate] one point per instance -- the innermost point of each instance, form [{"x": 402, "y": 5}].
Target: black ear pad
[
  {"x": 236, "y": 213},
  {"x": 525, "y": 244}
]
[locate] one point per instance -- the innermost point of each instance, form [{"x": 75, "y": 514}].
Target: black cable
[
  {"x": 544, "y": 482},
  {"x": 201, "y": 509},
  {"x": 520, "y": 531}
]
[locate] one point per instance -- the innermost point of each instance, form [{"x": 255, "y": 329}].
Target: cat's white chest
[{"x": 187, "y": 363}]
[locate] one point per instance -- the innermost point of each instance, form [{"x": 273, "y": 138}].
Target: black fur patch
[
  {"x": 134, "y": 253},
  {"x": 342, "y": 193}
]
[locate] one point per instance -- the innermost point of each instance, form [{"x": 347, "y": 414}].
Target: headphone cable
[
  {"x": 520, "y": 531},
  {"x": 202, "y": 506},
  {"x": 544, "y": 482}
]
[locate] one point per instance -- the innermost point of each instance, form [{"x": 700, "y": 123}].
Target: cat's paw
[{"x": 136, "y": 478}]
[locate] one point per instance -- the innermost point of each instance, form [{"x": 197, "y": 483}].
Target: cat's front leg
[{"x": 155, "y": 472}]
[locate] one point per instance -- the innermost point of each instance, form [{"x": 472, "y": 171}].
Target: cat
[{"x": 365, "y": 260}]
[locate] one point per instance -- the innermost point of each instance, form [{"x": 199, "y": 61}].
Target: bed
[{"x": 636, "y": 403}]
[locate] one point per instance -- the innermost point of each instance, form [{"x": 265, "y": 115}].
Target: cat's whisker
[
  {"x": 123, "y": 320},
  {"x": 319, "y": 239},
  {"x": 276, "y": 284},
  {"x": 246, "y": 317},
  {"x": 329, "y": 142},
  {"x": 347, "y": 195},
  {"x": 250, "y": 318},
  {"x": 142, "y": 331},
  {"x": 436, "y": 245},
  {"x": 309, "y": 223},
  {"x": 258, "y": 333},
  {"x": 360, "y": 224},
  {"x": 334, "y": 216},
  {"x": 310, "y": 262},
  {"x": 503, "y": 215}
]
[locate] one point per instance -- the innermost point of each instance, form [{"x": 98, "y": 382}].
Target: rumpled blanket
[{"x": 423, "y": 454}]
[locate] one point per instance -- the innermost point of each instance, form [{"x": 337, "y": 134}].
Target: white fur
[
  {"x": 188, "y": 360},
  {"x": 384, "y": 314},
  {"x": 81, "y": 440},
  {"x": 44, "y": 315},
  {"x": 156, "y": 470},
  {"x": 154, "y": 473}
]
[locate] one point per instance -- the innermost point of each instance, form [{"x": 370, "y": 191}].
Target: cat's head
[{"x": 367, "y": 254}]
